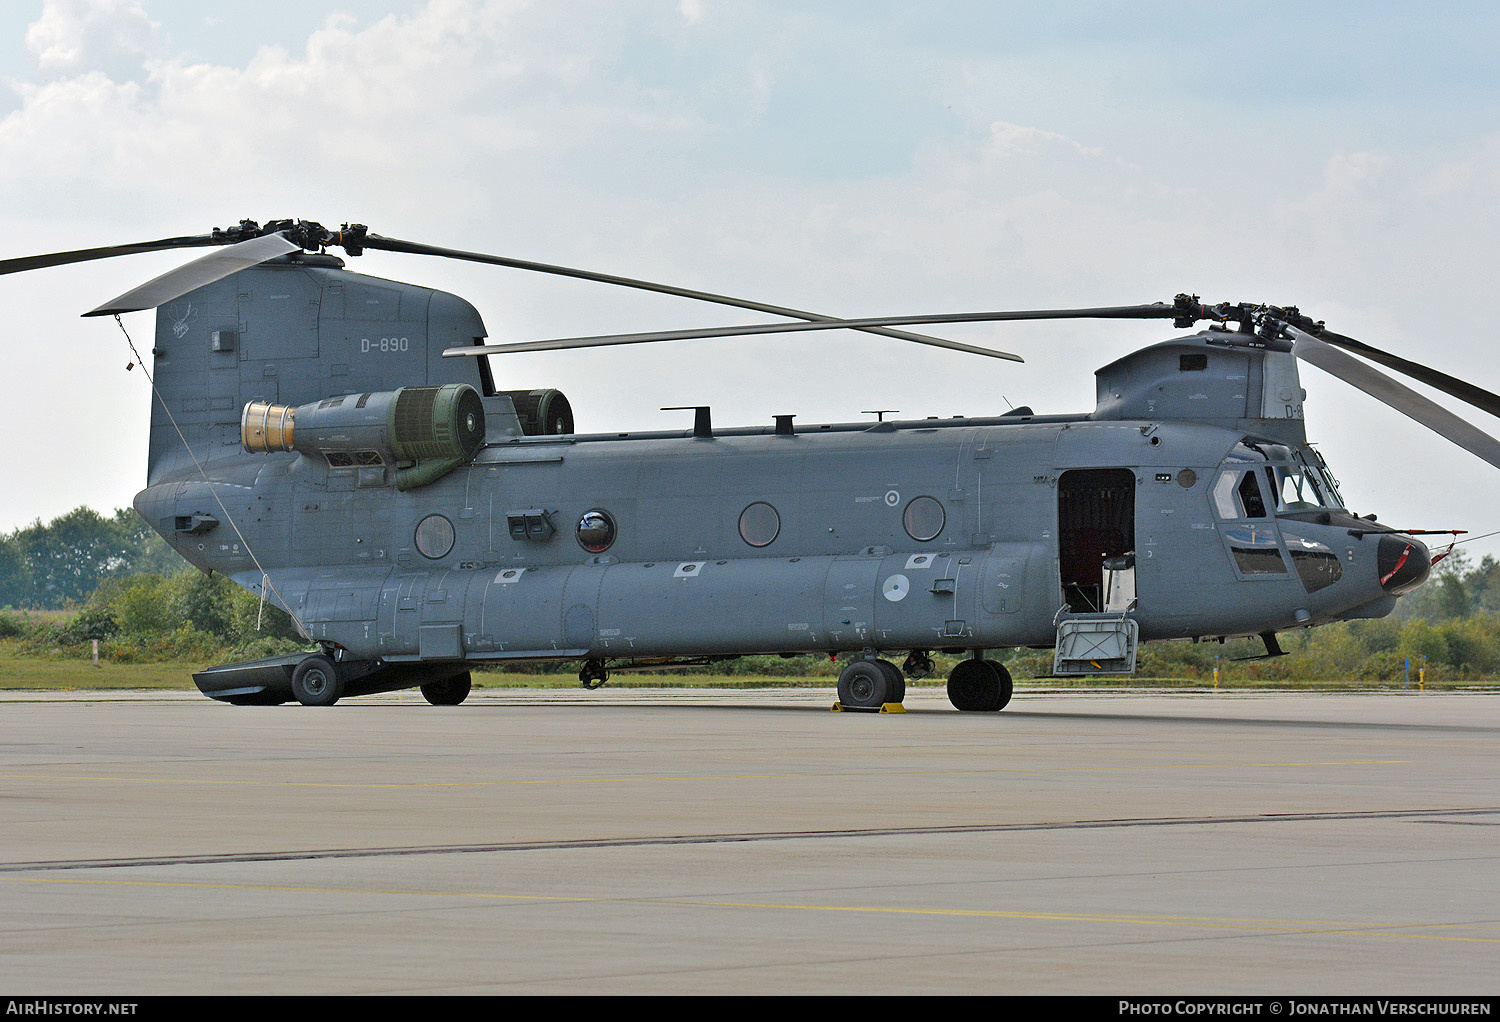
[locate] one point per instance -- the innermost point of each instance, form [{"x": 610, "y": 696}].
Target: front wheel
[
  {"x": 865, "y": 685},
  {"x": 897, "y": 691}
]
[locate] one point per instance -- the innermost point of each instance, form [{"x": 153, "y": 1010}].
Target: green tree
[
  {"x": 206, "y": 602},
  {"x": 143, "y": 607},
  {"x": 69, "y": 556},
  {"x": 63, "y": 561},
  {"x": 15, "y": 575},
  {"x": 144, "y": 548}
]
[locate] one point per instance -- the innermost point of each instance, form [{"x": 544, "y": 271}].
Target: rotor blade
[
  {"x": 191, "y": 276},
  {"x": 1464, "y": 391},
  {"x": 376, "y": 241},
  {"x": 83, "y": 255},
  {"x": 559, "y": 343},
  {"x": 1400, "y": 397}
]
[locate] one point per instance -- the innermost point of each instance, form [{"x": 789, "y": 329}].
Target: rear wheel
[
  {"x": 316, "y": 682},
  {"x": 1002, "y": 697},
  {"x": 980, "y": 686},
  {"x": 449, "y": 691}
]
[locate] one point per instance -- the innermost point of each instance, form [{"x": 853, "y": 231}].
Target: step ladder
[{"x": 1095, "y": 644}]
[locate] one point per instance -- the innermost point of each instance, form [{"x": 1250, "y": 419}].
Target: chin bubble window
[
  {"x": 596, "y": 531},
  {"x": 435, "y": 537},
  {"x": 924, "y": 518}
]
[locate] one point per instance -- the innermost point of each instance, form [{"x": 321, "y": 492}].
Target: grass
[
  {"x": 19, "y": 673},
  {"x": 35, "y": 673}
]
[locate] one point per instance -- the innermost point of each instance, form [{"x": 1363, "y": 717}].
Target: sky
[{"x": 855, "y": 159}]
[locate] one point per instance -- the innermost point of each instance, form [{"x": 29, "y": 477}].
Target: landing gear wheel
[
  {"x": 1006, "y": 685},
  {"x": 979, "y": 685},
  {"x": 897, "y": 680},
  {"x": 864, "y": 685},
  {"x": 450, "y": 691},
  {"x": 317, "y": 682}
]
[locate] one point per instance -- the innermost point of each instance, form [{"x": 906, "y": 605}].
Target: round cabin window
[
  {"x": 924, "y": 518},
  {"x": 596, "y": 531},
  {"x": 759, "y": 524},
  {"x": 435, "y": 537}
]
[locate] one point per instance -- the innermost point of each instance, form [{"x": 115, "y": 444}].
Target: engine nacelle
[
  {"x": 542, "y": 412},
  {"x": 425, "y": 432}
]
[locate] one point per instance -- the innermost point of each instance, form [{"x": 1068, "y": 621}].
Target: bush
[
  {"x": 143, "y": 607},
  {"x": 94, "y": 621}
]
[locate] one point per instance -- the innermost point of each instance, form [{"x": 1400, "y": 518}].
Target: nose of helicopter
[{"x": 1403, "y": 563}]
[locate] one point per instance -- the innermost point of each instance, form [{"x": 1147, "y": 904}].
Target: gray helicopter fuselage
[
  {"x": 929, "y": 534},
  {"x": 839, "y": 570}
]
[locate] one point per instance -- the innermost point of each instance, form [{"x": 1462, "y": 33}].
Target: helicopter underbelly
[{"x": 724, "y": 606}]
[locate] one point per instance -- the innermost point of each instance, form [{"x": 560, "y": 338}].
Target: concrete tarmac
[{"x": 693, "y": 841}]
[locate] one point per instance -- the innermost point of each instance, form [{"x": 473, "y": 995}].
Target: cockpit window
[
  {"x": 1237, "y": 495},
  {"x": 1246, "y": 451},
  {"x": 1298, "y": 488},
  {"x": 1250, "y": 497},
  {"x": 1286, "y": 480},
  {"x": 1287, "y": 487},
  {"x": 1319, "y": 468}
]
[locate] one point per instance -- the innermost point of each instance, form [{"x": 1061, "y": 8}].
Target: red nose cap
[{"x": 1403, "y": 562}]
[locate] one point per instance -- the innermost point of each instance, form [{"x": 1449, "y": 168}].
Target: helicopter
[{"x": 336, "y": 444}]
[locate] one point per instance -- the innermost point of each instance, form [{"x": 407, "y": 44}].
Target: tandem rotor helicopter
[{"x": 336, "y": 444}]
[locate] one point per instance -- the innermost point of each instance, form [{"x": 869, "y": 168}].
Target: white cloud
[
  {"x": 83, "y": 34},
  {"x": 541, "y": 131}
]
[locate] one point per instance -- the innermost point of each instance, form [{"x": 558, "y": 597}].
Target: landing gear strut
[
  {"x": 592, "y": 675},
  {"x": 979, "y": 685},
  {"x": 919, "y": 664}
]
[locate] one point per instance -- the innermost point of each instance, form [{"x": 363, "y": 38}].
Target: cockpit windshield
[
  {"x": 1290, "y": 480},
  {"x": 1295, "y": 488},
  {"x": 1319, "y": 469}
]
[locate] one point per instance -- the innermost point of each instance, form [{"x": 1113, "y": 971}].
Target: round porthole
[
  {"x": 435, "y": 536},
  {"x": 924, "y": 518},
  {"x": 759, "y": 524},
  {"x": 596, "y": 531}
]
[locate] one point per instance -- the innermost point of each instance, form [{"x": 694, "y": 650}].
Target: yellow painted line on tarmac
[
  {"x": 272, "y": 782},
  {"x": 1406, "y": 931}
]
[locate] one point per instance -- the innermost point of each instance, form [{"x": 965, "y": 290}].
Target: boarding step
[{"x": 1095, "y": 644}]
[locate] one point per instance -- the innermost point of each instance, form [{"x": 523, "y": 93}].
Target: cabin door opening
[{"x": 1095, "y": 524}]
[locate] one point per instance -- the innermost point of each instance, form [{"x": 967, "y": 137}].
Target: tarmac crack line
[{"x": 1416, "y": 815}]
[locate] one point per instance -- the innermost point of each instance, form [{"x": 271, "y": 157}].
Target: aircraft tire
[
  {"x": 317, "y": 682},
  {"x": 981, "y": 686},
  {"x": 864, "y": 685},
  {"x": 450, "y": 691},
  {"x": 1007, "y": 686},
  {"x": 897, "y": 681}
]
